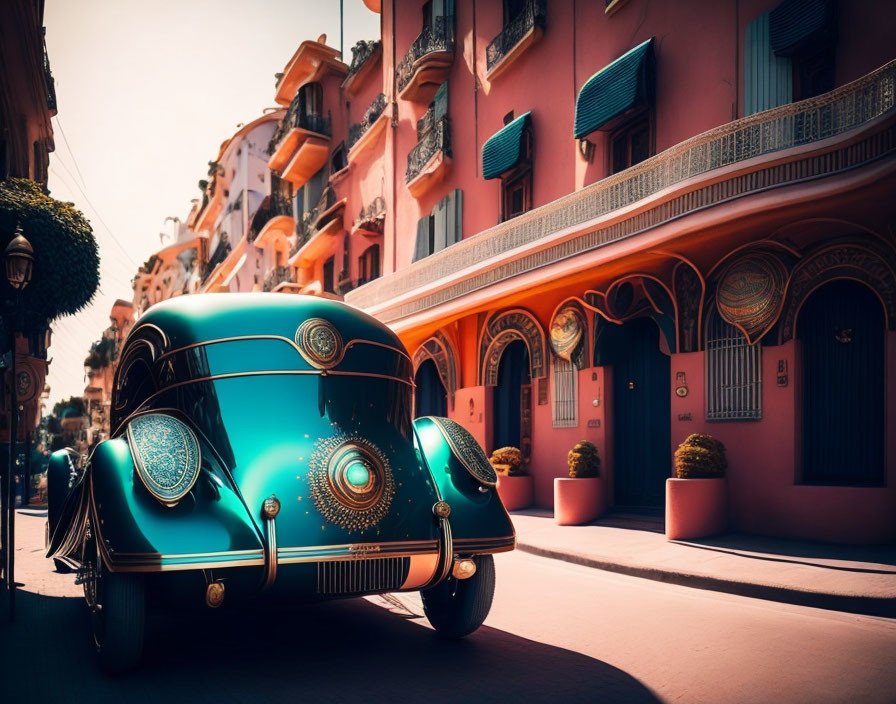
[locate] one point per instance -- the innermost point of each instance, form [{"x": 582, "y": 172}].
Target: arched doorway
[
  {"x": 513, "y": 378},
  {"x": 841, "y": 330},
  {"x": 430, "y": 397},
  {"x": 641, "y": 406}
]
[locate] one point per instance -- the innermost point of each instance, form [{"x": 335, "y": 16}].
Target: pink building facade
[{"x": 619, "y": 222}]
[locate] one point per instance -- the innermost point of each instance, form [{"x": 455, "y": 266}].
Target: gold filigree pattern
[
  {"x": 751, "y": 293},
  {"x": 467, "y": 451},
  {"x": 351, "y": 481},
  {"x": 320, "y": 343}
]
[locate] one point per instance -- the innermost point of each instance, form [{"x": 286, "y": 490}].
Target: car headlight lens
[{"x": 166, "y": 455}]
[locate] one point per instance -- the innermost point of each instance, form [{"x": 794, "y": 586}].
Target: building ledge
[
  {"x": 278, "y": 227},
  {"x": 320, "y": 245},
  {"x": 367, "y": 141},
  {"x": 309, "y": 61},
  {"x": 312, "y": 154},
  {"x": 783, "y": 146},
  {"x": 522, "y": 32},
  {"x": 354, "y": 81}
]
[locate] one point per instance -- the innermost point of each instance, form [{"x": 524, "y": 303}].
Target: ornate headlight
[
  {"x": 467, "y": 451},
  {"x": 166, "y": 456}
]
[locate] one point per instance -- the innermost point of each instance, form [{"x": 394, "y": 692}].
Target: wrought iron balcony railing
[
  {"x": 531, "y": 16},
  {"x": 307, "y": 225},
  {"x": 438, "y": 37},
  {"x": 362, "y": 51},
  {"x": 816, "y": 120},
  {"x": 49, "y": 83},
  {"x": 296, "y": 118},
  {"x": 277, "y": 205},
  {"x": 357, "y": 130},
  {"x": 277, "y": 276},
  {"x": 218, "y": 256},
  {"x": 436, "y": 139}
]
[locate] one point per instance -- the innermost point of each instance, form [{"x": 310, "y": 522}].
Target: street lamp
[{"x": 19, "y": 258}]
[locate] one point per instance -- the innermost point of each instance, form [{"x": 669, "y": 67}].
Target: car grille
[{"x": 383, "y": 574}]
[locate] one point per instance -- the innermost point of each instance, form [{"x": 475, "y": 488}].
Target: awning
[
  {"x": 624, "y": 84},
  {"x": 795, "y": 24},
  {"x": 503, "y": 150}
]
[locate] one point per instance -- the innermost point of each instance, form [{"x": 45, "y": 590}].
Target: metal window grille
[
  {"x": 565, "y": 394},
  {"x": 733, "y": 373}
]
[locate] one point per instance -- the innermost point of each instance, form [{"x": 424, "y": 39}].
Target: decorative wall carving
[
  {"x": 500, "y": 331},
  {"x": 568, "y": 333},
  {"x": 750, "y": 293},
  {"x": 439, "y": 349},
  {"x": 689, "y": 295},
  {"x": 842, "y": 261}
]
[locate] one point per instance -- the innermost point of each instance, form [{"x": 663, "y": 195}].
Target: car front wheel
[{"x": 457, "y": 607}]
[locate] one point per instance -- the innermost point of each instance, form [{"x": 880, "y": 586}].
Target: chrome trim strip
[
  {"x": 480, "y": 546},
  {"x": 270, "y": 552}
]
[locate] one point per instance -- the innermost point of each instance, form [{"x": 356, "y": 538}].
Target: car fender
[
  {"x": 209, "y": 527},
  {"x": 64, "y": 475},
  {"x": 479, "y": 522}
]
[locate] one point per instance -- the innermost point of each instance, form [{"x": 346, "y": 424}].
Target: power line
[{"x": 68, "y": 146}]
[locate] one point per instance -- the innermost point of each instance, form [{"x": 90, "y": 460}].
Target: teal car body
[{"x": 311, "y": 481}]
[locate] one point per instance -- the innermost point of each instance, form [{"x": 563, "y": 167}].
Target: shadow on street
[{"x": 336, "y": 651}]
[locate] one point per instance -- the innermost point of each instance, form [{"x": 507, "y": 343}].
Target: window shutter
[
  {"x": 768, "y": 79},
  {"x": 454, "y": 225},
  {"x": 440, "y": 102},
  {"x": 440, "y": 225},
  {"x": 421, "y": 250}
]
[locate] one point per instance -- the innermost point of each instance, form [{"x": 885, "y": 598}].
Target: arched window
[{"x": 733, "y": 372}]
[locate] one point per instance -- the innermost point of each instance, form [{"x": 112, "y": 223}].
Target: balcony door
[{"x": 430, "y": 397}]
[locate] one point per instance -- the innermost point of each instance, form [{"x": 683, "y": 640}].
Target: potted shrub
[
  {"x": 697, "y": 497},
  {"x": 515, "y": 486},
  {"x": 581, "y": 497}
]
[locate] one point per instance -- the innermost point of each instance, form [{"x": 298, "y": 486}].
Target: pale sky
[{"x": 147, "y": 91}]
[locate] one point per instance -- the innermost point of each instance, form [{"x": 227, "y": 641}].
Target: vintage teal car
[{"x": 263, "y": 445}]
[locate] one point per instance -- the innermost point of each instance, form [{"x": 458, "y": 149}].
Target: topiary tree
[
  {"x": 66, "y": 270},
  {"x": 102, "y": 353},
  {"x": 508, "y": 461},
  {"x": 700, "y": 457},
  {"x": 584, "y": 461},
  {"x": 74, "y": 406}
]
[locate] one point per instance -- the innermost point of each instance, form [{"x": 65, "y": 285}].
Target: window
[
  {"x": 813, "y": 73},
  {"x": 340, "y": 159},
  {"x": 630, "y": 145},
  {"x": 516, "y": 185},
  {"x": 512, "y": 9},
  {"x": 442, "y": 227},
  {"x": 733, "y": 372},
  {"x": 565, "y": 396},
  {"x": 329, "y": 271},
  {"x": 369, "y": 264}
]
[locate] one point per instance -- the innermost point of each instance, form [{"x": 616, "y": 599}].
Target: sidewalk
[{"x": 856, "y": 579}]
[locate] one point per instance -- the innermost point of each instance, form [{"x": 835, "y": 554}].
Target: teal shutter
[
  {"x": 768, "y": 79},
  {"x": 455, "y": 216},
  {"x": 440, "y": 102},
  {"x": 440, "y": 225}
]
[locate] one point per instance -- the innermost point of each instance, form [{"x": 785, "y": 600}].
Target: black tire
[
  {"x": 119, "y": 624},
  {"x": 457, "y": 607}
]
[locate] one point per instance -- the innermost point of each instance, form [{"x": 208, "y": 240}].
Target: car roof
[{"x": 195, "y": 318}]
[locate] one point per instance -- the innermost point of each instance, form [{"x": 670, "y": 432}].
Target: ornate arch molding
[
  {"x": 840, "y": 261},
  {"x": 569, "y": 334},
  {"x": 439, "y": 349},
  {"x": 502, "y": 329}
]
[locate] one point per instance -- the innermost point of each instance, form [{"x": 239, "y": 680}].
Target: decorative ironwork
[
  {"x": 277, "y": 276},
  {"x": 350, "y": 481},
  {"x": 532, "y": 15},
  {"x": 436, "y": 140},
  {"x": 296, "y": 118},
  {"x": 49, "y": 82},
  {"x": 357, "y": 130},
  {"x": 218, "y": 256},
  {"x": 820, "y": 118},
  {"x": 689, "y": 296},
  {"x": 273, "y": 206},
  {"x": 467, "y": 451},
  {"x": 751, "y": 292},
  {"x": 503, "y": 329},
  {"x": 440, "y": 350},
  {"x": 439, "y": 37},
  {"x": 309, "y": 223},
  {"x": 733, "y": 373},
  {"x": 362, "y": 51},
  {"x": 371, "y": 217}
]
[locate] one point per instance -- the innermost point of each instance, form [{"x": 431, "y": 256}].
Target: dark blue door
[
  {"x": 429, "y": 396},
  {"x": 641, "y": 412},
  {"x": 841, "y": 329},
  {"x": 513, "y": 373}
]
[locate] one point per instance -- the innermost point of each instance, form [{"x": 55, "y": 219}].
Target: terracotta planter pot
[
  {"x": 696, "y": 508},
  {"x": 516, "y": 492},
  {"x": 578, "y": 501}
]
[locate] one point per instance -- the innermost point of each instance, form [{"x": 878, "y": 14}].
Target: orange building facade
[{"x": 619, "y": 222}]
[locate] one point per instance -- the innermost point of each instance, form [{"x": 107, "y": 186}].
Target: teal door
[{"x": 641, "y": 413}]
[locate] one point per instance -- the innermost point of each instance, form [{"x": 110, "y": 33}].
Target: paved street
[{"x": 557, "y": 632}]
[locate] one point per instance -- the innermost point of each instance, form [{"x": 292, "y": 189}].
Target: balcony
[
  {"x": 371, "y": 218},
  {"x": 218, "y": 256},
  {"x": 803, "y": 144},
  {"x": 365, "y": 57},
  {"x": 300, "y": 146},
  {"x": 317, "y": 237},
  {"x": 276, "y": 277},
  {"x": 518, "y": 35},
  {"x": 427, "y": 63},
  {"x": 310, "y": 62},
  {"x": 429, "y": 160},
  {"x": 273, "y": 207},
  {"x": 49, "y": 83},
  {"x": 362, "y": 135}
]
